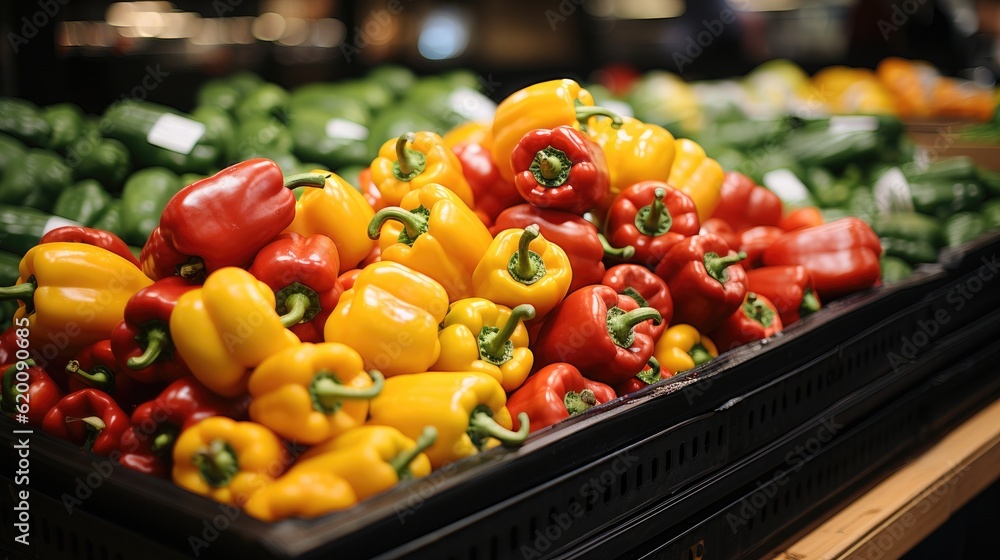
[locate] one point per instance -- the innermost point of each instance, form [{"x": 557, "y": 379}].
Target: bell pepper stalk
[
  {"x": 413, "y": 160},
  {"x": 391, "y": 317},
  {"x": 841, "y": 256},
  {"x": 491, "y": 191},
  {"x": 226, "y": 328},
  {"x": 636, "y": 151},
  {"x": 302, "y": 272},
  {"x": 646, "y": 288},
  {"x": 560, "y": 169},
  {"x": 718, "y": 227},
  {"x": 555, "y": 393},
  {"x": 303, "y": 494},
  {"x": 223, "y": 220},
  {"x": 97, "y": 367},
  {"x": 89, "y": 418},
  {"x": 579, "y": 239},
  {"x": 650, "y": 375},
  {"x": 801, "y": 218},
  {"x": 745, "y": 204},
  {"x": 709, "y": 275},
  {"x": 41, "y": 395},
  {"x": 754, "y": 241},
  {"x": 466, "y": 408},
  {"x": 696, "y": 175},
  {"x": 141, "y": 341},
  {"x": 756, "y": 319},
  {"x": 651, "y": 216},
  {"x": 790, "y": 288},
  {"x": 434, "y": 233},
  {"x": 604, "y": 334},
  {"x": 91, "y": 236},
  {"x": 143, "y": 454},
  {"x": 479, "y": 335},
  {"x": 682, "y": 348},
  {"x": 311, "y": 393},
  {"x": 226, "y": 460}
]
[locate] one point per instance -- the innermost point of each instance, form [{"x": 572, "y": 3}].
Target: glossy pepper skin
[
  {"x": 801, "y": 218},
  {"x": 721, "y": 228},
  {"x": 682, "y": 348},
  {"x": 646, "y": 288},
  {"x": 754, "y": 241},
  {"x": 651, "y": 216},
  {"x": 391, "y": 318},
  {"x": 302, "y": 272},
  {"x": 96, "y": 367},
  {"x": 522, "y": 267},
  {"x": 141, "y": 342},
  {"x": 841, "y": 256},
  {"x": 226, "y": 460},
  {"x": 708, "y": 275},
  {"x": 492, "y": 192},
  {"x": 303, "y": 494},
  {"x": 697, "y": 175},
  {"x": 745, "y": 204},
  {"x": 756, "y": 319},
  {"x": 560, "y": 169},
  {"x": 789, "y": 288},
  {"x": 636, "y": 151},
  {"x": 554, "y": 393},
  {"x": 414, "y": 160},
  {"x": 649, "y": 375},
  {"x": 90, "y": 236},
  {"x": 339, "y": 212},
  {"x": 434, "y": 233},
  {"x": 604, "y": 334},
  {"x": 466, "y": 408},
  {"x": 89, "y": 418},
  {"x": 479, "y": 335},
  {"x": 9, "y": 344},
  {"x": 472, "y": 132},
  {"x": 311, "y": 393},
  {"x": 226, "y": 327},
  {"x": 43, "y": 393}
]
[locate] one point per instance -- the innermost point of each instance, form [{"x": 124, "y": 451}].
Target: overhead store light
[
  {"x": 636, "y": 9},
  {"x": 445, "y": 34},
  {"x": 764, "y": 5}
]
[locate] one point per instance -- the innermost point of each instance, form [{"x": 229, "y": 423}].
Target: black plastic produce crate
[{"x": 567, "y": 485}]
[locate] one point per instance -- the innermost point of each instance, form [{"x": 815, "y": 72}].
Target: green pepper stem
[
  {"x": 755, "y": 310},
  {"x": 306, "y": 180},
  {"x": 485, "y": 423},
  {"x": 585, "y": 112},
  {"x": 406, "y": 165},
  {"x": 579, "y": 402},
  {"x": 100, "y": 377},
  {"x": 716, "y": 265},
  {"x": 550, "y": 166},
  {"x": 23, "y": 291},
  {"x": 620, "y": 326},
  {"x": 653, "y": 374},
  {"x": 327, "y": 389},
  {"x": 525, "y": 268},
  {"x": 414, "y": 224},
  {"x": 699, "y": 354},
  {"x": 297, "y": 305},
  {"x": 401, "y": 462},
  {"x": 217, "y": 463},
  {"x": 190, "y": 269},
  {"x": 654, "y": 219},
  {"x": 810, "y": 303},
  {"x": 626, "y": 252},
  {"x": 156, "y": 340},
  {"x": 93, "y": 422},
  {"x": 163, "y": 441},
  {"x": 495, "y": 346}
]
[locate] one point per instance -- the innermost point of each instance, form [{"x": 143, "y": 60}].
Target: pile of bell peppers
[{"x": 291, "y": 345}]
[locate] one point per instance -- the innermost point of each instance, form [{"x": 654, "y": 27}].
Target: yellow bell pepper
[
  {"x": 310, "y": 393},
  {"x": 471, "y": 132},
  {"x": 372, "y": 459},
  {"x": 226, "y": 460},
  {"x": 698, "y": 176},
  {"x": 304, "y": 494},
  {"x": 479, "y": 335},
  {"x": 391, "y": 318},
  {"x": 466, "y": 408},
  {"x": 72, "y": 295},
  {"x": 226, "y": 327},
  {"x": 682, "y": 348},
  {"x": 636, "y": 151},
  {"x": 522, "y": 267},
  {"x": 399, "y": 169},
  {"x": 433, "y": 232},
  {"x": 340, "y": 212}
]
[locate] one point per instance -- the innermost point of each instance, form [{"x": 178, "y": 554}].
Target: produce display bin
[{"x": 664, "y": 453}]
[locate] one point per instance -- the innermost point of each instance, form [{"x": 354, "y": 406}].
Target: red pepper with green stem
[
  {"x": 141, "y": 341},
  {"x": 756, "y": 319},
  {"x": 604, "y": 334},
  {"x": 651, "y": 216},
  {"x": 89, "y": 418},
  {"x": 789, "y": 287},
  {"x": 554, "y": 393},
  {"x": 707, "y": 279},
  {"x": 651, "y": 374},
  {"x": 745, "y": 204},
  {"x": 302, "y": 271},
  {"x": 646, "y": 288},
  {"x": 42, "y": 394},
  {"x": 491, "y": 192},
  {"x": 560, "y": 169},
  {"x": 97, "y": 367},
  {"x": 90, "y": 236}
]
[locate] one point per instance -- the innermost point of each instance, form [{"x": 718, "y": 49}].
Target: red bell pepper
[
  {"x": 369, "y": 190},
  {"x": 222, "y": 220},
  {"x": 756, "y": 240},
  {"x": 41, "y": 395},
  {"x": 607, "y": 336},
  {"x": 560, "y": 169},
  {"x": 554, "y": 393},
  {"x": 646, "y": 288},
  {"x": 579, "y": 238},
  {"x": 96, "y": 367},
  {"x": 842, "y": 256},
  {"x": 8, "y": 345},
  {"x": 745, "y": 204},
  {"x": 801, "y": 218},
  {"x": 348, "y": 278},
  {"x": 756, "y": 319},
  {"x": 721, "y": 228},
  {"x": 90, "y": 236},
  {"x": 141, "y": 342},
  {"x": 706, "y": 278},
  {"x": 649, "y": 375},
  {"x": 302, "y": 271},
  {"x": 790, "y": 288},
  {"x": 489, "y": 189},
  {"x": 89, "y": 418},
  {"x": 651, "y": 216}
]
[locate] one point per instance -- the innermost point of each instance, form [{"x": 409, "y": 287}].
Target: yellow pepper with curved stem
[
  {"x": 304, "y": 494},
  {"x": 467, "y": 409},
  {"x": 414, "y": 160},
  {"x": 682, "y": 347},
  {"x": 433, "y": 232},
  {"x": 226, "y": 460},
  {"x": 227, "y": 327},
  {"x": 698, "y": 176},
  {"x": 636, "y": 151},
  {"x": 391, "y": 318},
  {"x": 310, "y": 393},
  {"x": 479, "y": 335}
]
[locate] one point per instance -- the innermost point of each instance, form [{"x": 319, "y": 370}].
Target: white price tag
[
  {"x": 175, "y": 133},
  {"x": 892, "y": 192},
  {"x": 472, "y": 105},
  {"x": 343, "y": 128},
  {"x": 786, "y": 185},
  {"x": 853, "y": 123},
  {"x": 56, "y": 222}
]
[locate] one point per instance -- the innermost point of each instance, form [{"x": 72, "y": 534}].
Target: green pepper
[
  {"x": 66, "y": 121},
  {"x": 828, "y": 190},
  {"x": 944, "y": 198},
  {"x": 9, "y": 263},
  {"x": 894, "y": 269},
  {"x": 219, "y": 93},
  {"x": 244, "y": 82},
  {"x": 267, "y": 100},
  {"x": 111, "y": 218},
  {"x": 432, "y": 96},
  {"x": 219, "y": 130},
  {"x": 396, "y": 121},
  {"x": 910, "y": 250},
  {"x": 145, "y": 195},
  {"x": 83, "y": 202},
  {"x": 23, "y": 120},
  {"x": 963, "y": 227},
  {"x": 131, "y": 122},
  {"x": 862, "y": 204},
  {"x": 397, "y": 79},
  {"x": 958, "y": 168},
  {"x": 376, "y": 95},
  {"x": 262, "y": 134},
  {"x": 909, "y": 225},
  {"x": 35, "y": 180},
  {"x": 11, "y": 150},
  {"x": 105, "y": 159},
  {"x": 21, "y": 228},
  {"x": 991, "y": 211},
  {"x": 329, "y": 98},
  {"x": 329, "y": 138},
  {"x": 991, "y": 180}
]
